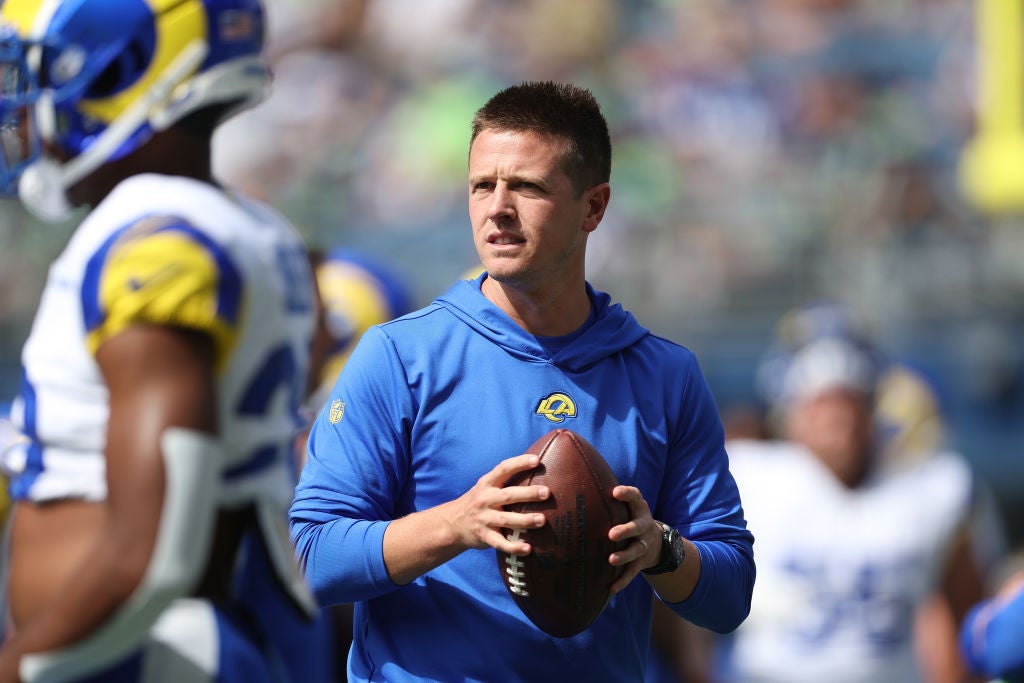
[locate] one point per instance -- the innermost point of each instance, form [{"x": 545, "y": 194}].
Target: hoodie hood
[{"x": 613, "y": 330}]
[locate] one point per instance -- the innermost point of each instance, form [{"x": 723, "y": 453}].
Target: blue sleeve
[
  {"x": 356, "y": 464},
  {"x": 990, "y": 638},
  {"x": 699, "y": 497}
]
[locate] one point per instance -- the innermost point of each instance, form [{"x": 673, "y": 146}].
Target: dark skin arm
[
  {"x": 962, "y": 587},
  {"x": 157, "y": 377}
]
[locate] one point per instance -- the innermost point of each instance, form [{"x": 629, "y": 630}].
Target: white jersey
[
  {"x": 840, "y": 572},
  {"x": 173, "y": 251}
]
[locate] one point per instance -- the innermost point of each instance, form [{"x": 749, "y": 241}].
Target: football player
[
  {"x": 162, "y": 376},
  {"x": 852, "y": 545},
  {"x": 356, "y": 292}
]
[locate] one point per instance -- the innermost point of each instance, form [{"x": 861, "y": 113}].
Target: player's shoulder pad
[{"x": 162, "y": 271}]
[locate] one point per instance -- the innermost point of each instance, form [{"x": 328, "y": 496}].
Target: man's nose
[{"x": 502, "y": 203}]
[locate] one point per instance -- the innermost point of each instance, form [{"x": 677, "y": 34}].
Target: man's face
[
  {"x": 836, "y": 425},
  {"x": 529, "y": 227}
]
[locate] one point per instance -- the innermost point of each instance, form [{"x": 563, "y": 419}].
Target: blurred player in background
[
  {"x": 912, "y": 429},
  {"x": 357, "y": 291},
  {"x": 854, "y": 539},
  {"x": 428, "y": 419},
  {"x": 162, "y": 377}
]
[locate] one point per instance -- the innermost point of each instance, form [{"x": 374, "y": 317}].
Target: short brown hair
[{"x": 564, "y": 111}]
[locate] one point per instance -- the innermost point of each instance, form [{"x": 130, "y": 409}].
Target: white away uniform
[
  {"x": 840, "y": 572},
  {"x": 173, "y": 251}
]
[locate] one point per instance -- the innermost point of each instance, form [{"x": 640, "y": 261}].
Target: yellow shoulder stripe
[{"x": 169, "y": 277}]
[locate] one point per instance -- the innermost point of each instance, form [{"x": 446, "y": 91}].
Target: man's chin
[{"x": 505, "y": 276}]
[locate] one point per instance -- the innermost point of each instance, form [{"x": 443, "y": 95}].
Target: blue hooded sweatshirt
[{"x": 429, "y": 403}]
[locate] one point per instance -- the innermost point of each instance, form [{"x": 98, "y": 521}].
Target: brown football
[{"x": 564, "y": 583}]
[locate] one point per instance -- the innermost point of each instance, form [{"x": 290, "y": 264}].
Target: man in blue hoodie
[{"x": 400, "y": 507}]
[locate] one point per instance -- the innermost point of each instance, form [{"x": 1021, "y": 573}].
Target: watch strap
[{"x": 672, "y": 551}]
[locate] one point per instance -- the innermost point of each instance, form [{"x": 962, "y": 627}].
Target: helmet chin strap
[{"x": 43, "y": 185}]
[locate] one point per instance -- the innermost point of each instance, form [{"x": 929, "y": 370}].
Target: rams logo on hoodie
[{"x": 556, "y": 407}]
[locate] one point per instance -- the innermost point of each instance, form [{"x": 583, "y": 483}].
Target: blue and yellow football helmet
[
  {"x": 357, "y": 291},
  {"x": 804, "y": 325},
  {"x": 907, "y": 406},
  {"x": 86, "y": 82}
]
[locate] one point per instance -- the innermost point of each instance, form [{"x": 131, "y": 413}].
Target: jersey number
[{"x": 279, "y": 371}]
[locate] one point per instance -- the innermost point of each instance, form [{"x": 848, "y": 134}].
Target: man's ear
[{"x": 597, "y": 199}]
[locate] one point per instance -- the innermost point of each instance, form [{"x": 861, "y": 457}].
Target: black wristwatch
[{"x": 672, "y": 551}]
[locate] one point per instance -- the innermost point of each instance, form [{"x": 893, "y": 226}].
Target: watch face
[{"x": 677, "y": 547}]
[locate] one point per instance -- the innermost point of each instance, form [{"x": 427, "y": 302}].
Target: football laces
[{"x": 516, "y": 576}]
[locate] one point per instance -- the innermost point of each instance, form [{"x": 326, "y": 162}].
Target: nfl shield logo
[{"x": 337, "y": 411}]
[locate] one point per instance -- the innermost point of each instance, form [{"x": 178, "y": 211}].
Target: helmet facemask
[
  {"x": 70, "y": 106},
  {"x": 19, "y": 135}
]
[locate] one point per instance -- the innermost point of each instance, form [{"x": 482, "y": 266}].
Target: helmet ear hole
[{"x": 121, "y": 73}]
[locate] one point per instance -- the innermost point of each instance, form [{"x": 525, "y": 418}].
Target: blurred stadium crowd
[{"x": 768, "y": 153}]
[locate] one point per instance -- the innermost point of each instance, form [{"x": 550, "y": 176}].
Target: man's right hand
[{"x": 417, "y": 543}]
